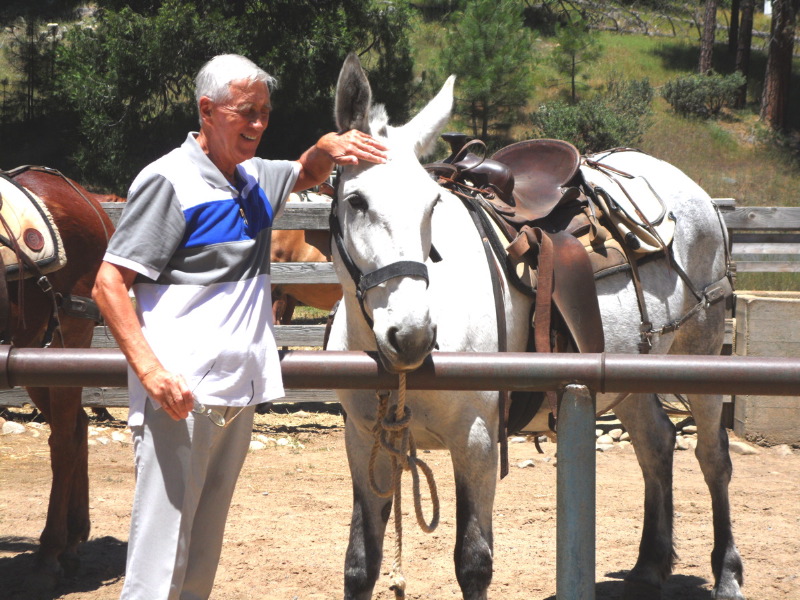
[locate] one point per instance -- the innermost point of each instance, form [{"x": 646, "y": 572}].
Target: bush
[
  {"x": 616, "y": 118},
  {"x": 702, "y": 95}
]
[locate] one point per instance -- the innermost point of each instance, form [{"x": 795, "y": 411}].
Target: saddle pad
[
  {"x": 31, "y": 225},
  {"x": 633, "y": 208}
]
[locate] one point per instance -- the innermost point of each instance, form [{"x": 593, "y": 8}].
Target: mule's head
[{"x": 384, "y": 214}]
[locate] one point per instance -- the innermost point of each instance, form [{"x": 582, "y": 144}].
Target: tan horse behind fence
[{"x": 297, "y": 246}]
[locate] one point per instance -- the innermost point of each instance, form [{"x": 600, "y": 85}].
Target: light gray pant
[{"x": 186, "y": 472}]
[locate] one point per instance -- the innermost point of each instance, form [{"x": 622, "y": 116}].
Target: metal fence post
[{"x": 575, "y": 495}]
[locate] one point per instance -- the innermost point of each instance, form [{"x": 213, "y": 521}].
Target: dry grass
[{"x": 727, "y": 158}]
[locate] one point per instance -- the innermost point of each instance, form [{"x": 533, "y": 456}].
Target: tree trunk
[
  {"x": 733, "y": 30},
  {"x": 774, "y": 101},
  {"x": 573, "y": 72},
  {"x": 743, "y": 49},
  {"x": 709, "y": 32}
]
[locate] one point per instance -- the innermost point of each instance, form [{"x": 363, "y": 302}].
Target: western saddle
[
  {"x": 531, "y": 193},
  {"x": 549, "y": 228}
]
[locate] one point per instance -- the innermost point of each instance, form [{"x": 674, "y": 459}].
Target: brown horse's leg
[
  {"x": 68, "y": 510},
  {"x": 278, "y": 307},
  {"x": 78, "y": 522},
  {"x": 288, "y": 311},
  {"x": 76, "y": 332}
]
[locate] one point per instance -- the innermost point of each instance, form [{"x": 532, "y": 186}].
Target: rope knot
[{"x": 394, "y": 423}]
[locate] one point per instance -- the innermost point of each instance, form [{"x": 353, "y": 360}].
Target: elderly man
[{"x": 193, "y": 245}]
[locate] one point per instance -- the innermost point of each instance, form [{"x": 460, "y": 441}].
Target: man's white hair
[{"x": 216, "y": 75}]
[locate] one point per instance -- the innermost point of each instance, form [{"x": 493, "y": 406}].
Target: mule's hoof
[
  {"x": 70, "y": 564},
  {"x": 638, "y": 590},
  {"x": 727, "y": 592}
]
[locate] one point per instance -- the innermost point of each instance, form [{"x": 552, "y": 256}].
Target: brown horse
[
  {"x": 297, "y": 245},
  {"x": 84, "y": 228}
]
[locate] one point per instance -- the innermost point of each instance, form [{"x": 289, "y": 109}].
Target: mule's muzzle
[{"x": 403, "y": 349}]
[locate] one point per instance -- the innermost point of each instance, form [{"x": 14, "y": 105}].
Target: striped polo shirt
[{"x": 201, "y": 250}]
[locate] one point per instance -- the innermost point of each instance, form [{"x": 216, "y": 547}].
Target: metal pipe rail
[
  {"x": 613, "y": 373},
  {"x": 579, "y": 376}
]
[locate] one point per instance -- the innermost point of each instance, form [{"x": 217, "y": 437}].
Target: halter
[{"x": 365, "y": 282}]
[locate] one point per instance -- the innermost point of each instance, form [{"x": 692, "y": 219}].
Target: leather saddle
[
  {"x": 528, "y": 179},
  {"x": 30, "y": 248},
  {"x": 528, "y": 193},
  {"x": 531, "y": 199},
  {"x": 28, "y": 233},
  {"x": 542, "y": 171}
]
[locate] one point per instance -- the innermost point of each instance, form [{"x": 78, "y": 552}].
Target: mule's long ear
[
  {"x": 424, "y": 129},
  {"x": 353, "y": 96}
]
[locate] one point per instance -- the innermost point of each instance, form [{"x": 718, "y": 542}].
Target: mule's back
[{"x": 698, "y": 248}]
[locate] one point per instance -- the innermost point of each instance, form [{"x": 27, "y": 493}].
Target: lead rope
[{"x": 392, "y": 434}]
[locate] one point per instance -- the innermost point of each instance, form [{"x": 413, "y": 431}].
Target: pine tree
[
  {"x": 578, "y": 45},
  {"x": 491, "y": 52}
]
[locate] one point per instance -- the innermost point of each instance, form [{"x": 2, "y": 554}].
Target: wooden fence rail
[{"x": 764, "y": 239}]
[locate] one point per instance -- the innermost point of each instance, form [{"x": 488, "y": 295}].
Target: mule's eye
[{"x": 358, "y": 202}]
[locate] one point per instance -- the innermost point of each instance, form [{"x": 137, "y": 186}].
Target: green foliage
[
  {"x": 125, "y": 85},
  {"x": 616, "y": 118},
  {"x": 490, "y": 52},
  {"x": 30, "y": 49},
  {"x": 128, "y": 83},
  {"x": 37, "y": 9},
  {"x": 441, "y": 4},
  {"x": 304, "y": 44},
  {"x": 702, "y": 95},
  {"x": 432, "y": 8},
  {"x": 435, "y": 11},
  {"x": 576, "y": 47}
]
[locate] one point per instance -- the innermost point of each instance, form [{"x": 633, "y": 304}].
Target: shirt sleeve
[
  {"x": 277, "y": 179},
  {"x": 150, "y": 229}
]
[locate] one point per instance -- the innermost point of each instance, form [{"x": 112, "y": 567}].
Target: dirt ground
[{"x": 288, "y": 526}]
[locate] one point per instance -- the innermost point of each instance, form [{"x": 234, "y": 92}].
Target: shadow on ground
[
  {"x": 102, "y": 564},
  {"x": 678, "y": 587}
]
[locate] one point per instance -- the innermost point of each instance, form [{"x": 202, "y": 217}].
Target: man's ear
[{"x": 205, "y": 105}]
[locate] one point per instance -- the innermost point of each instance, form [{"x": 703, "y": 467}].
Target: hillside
[{"x": 733, "y": 156}]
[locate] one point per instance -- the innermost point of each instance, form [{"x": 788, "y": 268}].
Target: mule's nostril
[{"x": 391, "y": 337}]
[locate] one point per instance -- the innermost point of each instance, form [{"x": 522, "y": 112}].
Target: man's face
[{"x": 233, "y": 128}]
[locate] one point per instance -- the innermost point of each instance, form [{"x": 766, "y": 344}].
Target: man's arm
[
  {"x": 111, "y": 294},
  {"x": 332, "y": 149}
]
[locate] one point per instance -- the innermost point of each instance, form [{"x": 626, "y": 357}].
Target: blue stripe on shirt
[
  {"x": 221, "y": 221},
  {"x": 258, "y": 211}
]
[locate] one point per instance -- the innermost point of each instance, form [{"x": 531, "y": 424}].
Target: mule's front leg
[
  {"x": 370, "y": 514},
  {"x": 653, "y": 437},
  {"x": 475, "y": 468},
  {"x": 715, "y": 462}
]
